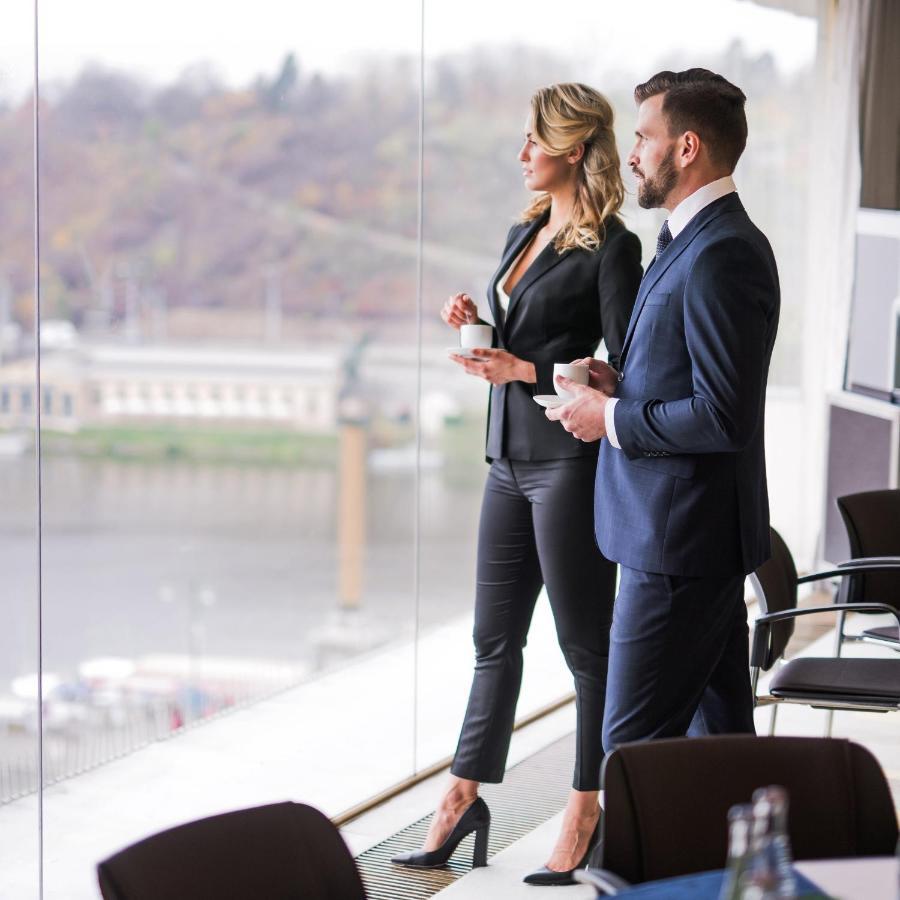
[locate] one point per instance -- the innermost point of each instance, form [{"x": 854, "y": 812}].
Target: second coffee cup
[{"x": 578, "y": 374}]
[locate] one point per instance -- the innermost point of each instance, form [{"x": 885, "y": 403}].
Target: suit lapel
[
  {"x": 514, "y": 249},
  {"x": 542, "y": 264},
  {"x": 658, "y": 268}
]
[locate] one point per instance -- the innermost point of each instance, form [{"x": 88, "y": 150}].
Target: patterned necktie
[{"x": 664, "y": 239}]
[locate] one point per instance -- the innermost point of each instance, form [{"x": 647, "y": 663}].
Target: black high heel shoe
[
  {"x": 476, "y": 818},
  {"x": 545, "y": 876}
]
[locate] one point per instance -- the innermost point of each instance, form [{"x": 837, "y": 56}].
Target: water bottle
[
  {"x": 740, "y": 823},
  {"x": 761, "y": 882},
  {"x": 772, "y": 801}
]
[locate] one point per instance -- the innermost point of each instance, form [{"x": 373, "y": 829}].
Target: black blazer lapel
[
  {"x": 655, "y": 271},
  {"x": 514, "y": 249},
  {"x": 543, "y": 263}
]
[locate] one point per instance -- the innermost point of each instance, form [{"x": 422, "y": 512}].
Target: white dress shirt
[{"x": 678, "y": 220}]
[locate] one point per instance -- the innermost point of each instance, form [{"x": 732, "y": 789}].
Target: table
[{"x": 864, "y": 878}]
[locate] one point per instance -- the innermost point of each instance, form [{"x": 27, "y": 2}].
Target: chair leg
[
  {"x": 839, "y": 634},
  {"x": 838, "y": 644},
  {"x": 772, "y": 720}
]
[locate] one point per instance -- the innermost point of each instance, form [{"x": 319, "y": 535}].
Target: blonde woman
[{"x": 567, "y": 279}]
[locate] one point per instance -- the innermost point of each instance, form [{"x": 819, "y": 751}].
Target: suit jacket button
[{"x": 621, "y": 376}]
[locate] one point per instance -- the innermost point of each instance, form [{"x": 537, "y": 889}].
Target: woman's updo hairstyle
[{"x": 564, "y": 116}]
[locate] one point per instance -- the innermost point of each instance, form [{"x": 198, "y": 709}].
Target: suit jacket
[
  {"x": 686, "y": 494},
  {"x": 558, "y": 311}
]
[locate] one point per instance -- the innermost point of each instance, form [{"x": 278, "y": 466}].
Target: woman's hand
[
  {"x": 459, "y": 310},
  {"x": 497, "y": 366},
  {"x": 602, "y": 376}
]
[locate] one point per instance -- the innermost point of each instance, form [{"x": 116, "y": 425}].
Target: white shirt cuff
[{"x": 610, "y": 421}]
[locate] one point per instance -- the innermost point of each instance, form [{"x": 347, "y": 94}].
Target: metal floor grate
[{"x": 533, "y": 791}]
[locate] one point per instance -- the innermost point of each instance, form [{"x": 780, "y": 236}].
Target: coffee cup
[
  {"x": 578, "y": 374},
  {"x": 471, "y": 336}
]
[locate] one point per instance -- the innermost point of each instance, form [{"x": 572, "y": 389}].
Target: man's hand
[
  {"x": 584, "y": 416},
  {"x": 603, "y": 377},
  {"x": 496, "y": 366}
]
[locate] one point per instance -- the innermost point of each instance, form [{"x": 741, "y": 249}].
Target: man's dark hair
[{"x": 700, "y": 101}]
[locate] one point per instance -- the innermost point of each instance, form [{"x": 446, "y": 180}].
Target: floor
[
  {"x": 329, "y": 742},
  {"x": 266, "y": 752},
  {"x": 501, "y": 879}
]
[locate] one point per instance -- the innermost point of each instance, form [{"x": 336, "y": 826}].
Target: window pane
[
  {"x": 477, "y": 102},
  {"x": 230, "y": 246},
  {"x": 19, "y": 706}
]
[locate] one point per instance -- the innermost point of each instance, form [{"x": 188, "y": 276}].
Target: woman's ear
[{"x": 575, "y": 155}]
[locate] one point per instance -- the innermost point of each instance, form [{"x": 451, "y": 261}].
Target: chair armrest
[
  {"x": 851, "y": 567},
  {"x": 870, "y": 561},
  {"x": 606, "y": 883},
  {"x": 837, "y": 607}
]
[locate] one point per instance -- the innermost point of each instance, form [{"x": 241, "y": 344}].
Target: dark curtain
[{"x": 880, "y": 108}]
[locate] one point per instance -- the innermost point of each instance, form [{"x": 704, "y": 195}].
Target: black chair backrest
[
  {"x": 666, "y": 801},
  {"x": 872, "y": 520},
  {"x": 776, "y": 587},
  {"x": 283, "y": 851}
]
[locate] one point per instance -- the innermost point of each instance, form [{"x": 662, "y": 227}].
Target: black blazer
[{"x": 558, "y": 311}]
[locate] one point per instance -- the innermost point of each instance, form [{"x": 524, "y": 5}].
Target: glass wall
[
  {"x": 476, "y": 104},
  {"x": 19, "y": 651},
  {"x": 261, "y": 475}
]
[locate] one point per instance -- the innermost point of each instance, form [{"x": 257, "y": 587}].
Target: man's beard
[{"x": 652, "y": 192}]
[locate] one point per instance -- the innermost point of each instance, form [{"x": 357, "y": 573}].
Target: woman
[{"x": 568, "y": 277}]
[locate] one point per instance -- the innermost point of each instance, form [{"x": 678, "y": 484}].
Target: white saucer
[
  {"x": 548, "y": 401},
  {"x": 464, "y": 352}
]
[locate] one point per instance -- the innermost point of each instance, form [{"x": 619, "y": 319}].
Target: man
[{"x": 680, "y": 499}]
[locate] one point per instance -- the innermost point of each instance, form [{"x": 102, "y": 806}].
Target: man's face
[{"x": 652, "y": 159}]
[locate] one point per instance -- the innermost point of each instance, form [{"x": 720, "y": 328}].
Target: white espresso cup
[
  {"x": 471, "y": 336},
  {"x": 578, "y": 374}
]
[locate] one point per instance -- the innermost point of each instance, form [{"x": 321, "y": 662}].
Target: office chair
[
  {"x": 283, "y": 851},
  {"x": 871, "y": 685},
  {"x": 666, "y": 803},
  {"x": 872, "y": 520}
]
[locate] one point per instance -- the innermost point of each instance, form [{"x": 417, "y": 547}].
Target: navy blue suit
[{"x": 683, "y": 505}]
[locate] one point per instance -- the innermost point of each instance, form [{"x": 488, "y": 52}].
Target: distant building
[{"x": 115, "y": 385}]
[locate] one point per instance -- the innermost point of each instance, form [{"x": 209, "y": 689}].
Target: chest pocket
[{"x": 657, "y": 298}]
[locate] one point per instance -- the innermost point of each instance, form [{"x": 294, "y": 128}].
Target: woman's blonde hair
[{"x": 564, "y": 116}]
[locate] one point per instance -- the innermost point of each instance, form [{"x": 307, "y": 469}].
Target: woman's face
[{"x": 541, "y": 171}]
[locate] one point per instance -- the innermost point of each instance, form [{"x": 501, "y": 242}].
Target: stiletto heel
[
  {"x": 595, "y": 854},
  {"x": 479, "y": 854},
  {"x": 592, "y": 857},
  {"x": 476, "y": 818}
]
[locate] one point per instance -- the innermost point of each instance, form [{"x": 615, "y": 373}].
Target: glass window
[
  {"x": 20, "y": 706},
  {"x": 260, "y": 536}
]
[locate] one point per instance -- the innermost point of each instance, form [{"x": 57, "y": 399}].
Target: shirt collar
[{"x": 692, "y": 204}]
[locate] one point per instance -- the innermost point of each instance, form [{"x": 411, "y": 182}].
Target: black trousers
[{"x": 537, "y": 528}]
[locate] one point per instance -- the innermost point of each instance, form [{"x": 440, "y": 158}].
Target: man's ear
[{"x": 689, "y": 145}]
